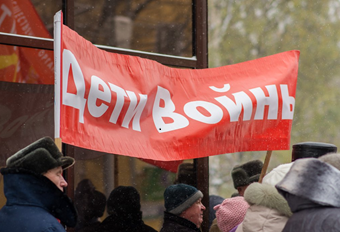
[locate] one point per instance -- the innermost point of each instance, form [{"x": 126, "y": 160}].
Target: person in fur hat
[
  {"x": 34, "y": 188},
  {"x": 124, "y": 209},
  {"x": 268, "y": 211},
  {"x": 311, "y": 188},
  {"x": 183, "y": 209},
  {"x": 245, "y": 174}
]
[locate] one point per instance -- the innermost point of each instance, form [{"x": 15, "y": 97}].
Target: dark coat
[
  {"x": 213, "y": 201},
  {"x": 33, "y": 204},
  {"x": 311, "y": 188},
  {"x": 124, "y": 209},
  {"x": 313, "y": 218},
  {"x": 121, "y": 223},
  {"x": 174, "y": 223},
  {"x": 90, "y": 227}
]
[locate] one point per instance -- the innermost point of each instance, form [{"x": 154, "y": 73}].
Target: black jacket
[
  {"x": 312, "y": 190},
  {"x": 174, "y": 223},
  {"x": 124, "y": 223}
]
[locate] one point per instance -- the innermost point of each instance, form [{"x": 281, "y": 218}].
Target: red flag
[
  {"x": 171, "y": 166},
  {"x": 137, "y": 107},
  {"x": 19, "y": 64}
]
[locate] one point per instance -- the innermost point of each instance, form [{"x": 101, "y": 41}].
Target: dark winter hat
[
  {"x": 123, "y": 200},
  {"x": 179, "y": 197},
  {"x": 186, "y": 174},
  {"x": 39, "y": 157},
  {"x": 98, "y": 204},
  {"x": 312, "y": 150},
  {"x": 246, "y": 173},
  {"x": 89, "y": 202}
]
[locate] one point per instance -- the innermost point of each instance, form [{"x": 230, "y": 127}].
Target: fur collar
[
  {"x": 314, "y": 180},
  {"x": 266, "y": 195}
]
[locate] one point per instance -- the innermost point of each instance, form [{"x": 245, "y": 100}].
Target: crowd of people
[{"x": 299, "y": 196}]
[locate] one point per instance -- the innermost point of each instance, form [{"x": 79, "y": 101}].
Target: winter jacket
[
  {"x": 311, "y": 188},
  {"x": 214, "y": 226},
  {"x": 268, "y": 211},
  {"x": 174, "y": 223},
  {"x": 34, "y": 203},
  {"x": 90, "y": 227},
  {"x": 121, "y": 223}
]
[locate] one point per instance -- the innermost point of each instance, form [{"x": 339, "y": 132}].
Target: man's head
[
  {"x": 42, "y": 157},
  {"x": 184, "y": 201},
  {"x": 123, "y": 200},
  {"x": 245, "y": 174},
  {"x": 89, "y": 202}
]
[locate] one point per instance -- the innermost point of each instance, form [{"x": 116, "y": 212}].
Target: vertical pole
[
  {"x": 265, "y": 165},
  {"x": 68, "y": 9},
  {"x": 57, "y": 76},
  {"x": 69, "y": 175},
  {"x": 202, "y": 174},
  {"x": 200, "y": 46},
  {"x": 58, "y": 142}
]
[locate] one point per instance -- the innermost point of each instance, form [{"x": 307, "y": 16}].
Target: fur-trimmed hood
[
  {"x": 268, "y": 211},
  {"x": 266, "y": 195},
  {"x": 313, "y": 180}
]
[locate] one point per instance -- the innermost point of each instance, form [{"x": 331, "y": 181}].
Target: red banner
[
  {"x": 137, "y": 107},
  {"x": 19, "y": 64}
]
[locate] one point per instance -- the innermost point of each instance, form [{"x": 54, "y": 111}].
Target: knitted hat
[
  {"x": 277, "y": 174},
  {"x": 230, "y": 213},
  {"x": 123, "y": 200},
  {"x": 39, "y": 157},
  {"x": 179, "y": 197},
  {"x": 311, "y": 150},
  {"x": 247, "y": 173}
]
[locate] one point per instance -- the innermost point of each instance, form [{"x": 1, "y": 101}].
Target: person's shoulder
[
  {"x": 332, "y": 215},
  {"x": 327, "y": 218},
  {"x": 28, "y": 212},
  {"x": 147, "y": 228}
]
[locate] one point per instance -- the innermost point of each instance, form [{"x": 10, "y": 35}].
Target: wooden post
[
  {"x": 58, "y": 143},
  {"x": 265, "y": 165},
  {"x": 202, "y": 175}
]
